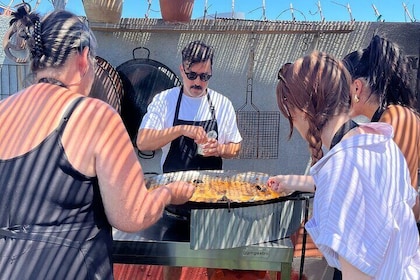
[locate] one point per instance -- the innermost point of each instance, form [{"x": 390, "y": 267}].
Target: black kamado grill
[
  {"x": 142, "y": 79},
  {"x": 107, "y": 84}
]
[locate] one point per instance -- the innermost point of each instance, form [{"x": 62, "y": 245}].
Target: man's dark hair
[{"x": 196, "y": 52}]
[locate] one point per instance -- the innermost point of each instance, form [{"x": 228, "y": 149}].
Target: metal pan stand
[{"x": 167, "y": 243}]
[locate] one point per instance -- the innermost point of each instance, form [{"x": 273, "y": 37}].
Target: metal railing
[{"x": 12, "y": 78}]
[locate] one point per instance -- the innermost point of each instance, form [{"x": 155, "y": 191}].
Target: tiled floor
[{"x": 314, "y": 269}]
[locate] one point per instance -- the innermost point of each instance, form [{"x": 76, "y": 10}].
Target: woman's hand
[
  {"x": 181, "y": 192},
  {"x": 278, "y": 183},
  {"x": 290, "y": 183}
]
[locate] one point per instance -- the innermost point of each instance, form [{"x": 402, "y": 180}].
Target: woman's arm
[
  {"x": 406, "y": 125},
  {"x": 350, "y": 272},
  {"x": 98, "y": 144},
  {"x": 154, "y": 139}
]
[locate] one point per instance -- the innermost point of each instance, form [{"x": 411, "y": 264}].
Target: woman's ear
[
  {"x": 84, "y": 61},
  {"x": 358, "y": 86}
]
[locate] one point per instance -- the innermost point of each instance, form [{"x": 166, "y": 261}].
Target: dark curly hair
[
  {"x": 195, "y": 52},
  {"x": 52, "y": 38}
]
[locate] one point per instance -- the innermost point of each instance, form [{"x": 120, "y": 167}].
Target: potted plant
[
  {"x": 107, "y": 11},
  {"x": 176, "y": 10}
]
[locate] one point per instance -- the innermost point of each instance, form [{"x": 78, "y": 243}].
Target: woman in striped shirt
[
  {"x": 362, "y": 219},
  {"x": 380, "y": 91}
]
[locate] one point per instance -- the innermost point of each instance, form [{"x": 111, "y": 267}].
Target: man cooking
[{"x": 194, "y": 125}]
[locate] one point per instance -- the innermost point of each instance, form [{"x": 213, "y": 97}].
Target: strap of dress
[
  {"x": 346, "y": 127},
  {"x": 378, "y": 114},
  {"x": 67, "y": 114}
]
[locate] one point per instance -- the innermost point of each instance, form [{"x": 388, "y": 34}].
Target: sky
[{"x": 301, "y": 10}]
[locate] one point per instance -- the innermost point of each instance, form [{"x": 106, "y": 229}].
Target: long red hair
[{"x": 319, "y": 85}]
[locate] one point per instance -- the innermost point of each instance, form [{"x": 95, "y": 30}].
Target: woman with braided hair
[
  {"x": 68, "y": 169},
  {"x": 362, "y": 219},
  {"x": 381, "y": 92}
]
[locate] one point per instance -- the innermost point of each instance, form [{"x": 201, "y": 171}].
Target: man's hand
[
  {"x": 195, "y": 132},
  {"x": 211, "y": 148}
]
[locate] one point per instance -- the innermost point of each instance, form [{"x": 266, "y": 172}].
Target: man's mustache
[{"x": 196, "y": 87}]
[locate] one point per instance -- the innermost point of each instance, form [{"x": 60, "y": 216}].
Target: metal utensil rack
[{"x": 260, "y": 130}]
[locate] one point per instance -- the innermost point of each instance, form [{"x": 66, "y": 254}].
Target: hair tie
[{"x": 39, "y": 50}]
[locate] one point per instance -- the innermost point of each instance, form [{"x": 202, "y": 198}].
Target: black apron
[{"x": 182, "y": 155}]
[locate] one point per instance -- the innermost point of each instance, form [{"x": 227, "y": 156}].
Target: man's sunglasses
[{"x": 204, "y": 77}]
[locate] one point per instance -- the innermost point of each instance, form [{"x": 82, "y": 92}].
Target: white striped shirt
[{"x": 362, "y": 207}]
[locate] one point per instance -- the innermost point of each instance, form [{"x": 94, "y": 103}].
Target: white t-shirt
[
  {"x": 363, "y": 207},
  {"x": 161, "y": 112}
]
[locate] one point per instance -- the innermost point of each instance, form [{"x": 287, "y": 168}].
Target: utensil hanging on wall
[{"x": 260, "y": 130}]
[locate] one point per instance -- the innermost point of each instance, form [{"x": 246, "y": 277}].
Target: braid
[
  {"x": 38, "y": 49},
  {"x": 51, "y": 40},
  {"x": 314, "y": 140},
  {"x": 319, "y": 86}
]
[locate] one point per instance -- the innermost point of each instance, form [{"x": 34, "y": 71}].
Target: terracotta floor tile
[{"x": 154, "y": 272}]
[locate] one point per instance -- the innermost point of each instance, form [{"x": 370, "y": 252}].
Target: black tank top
[{"x": 54, "y": 214}]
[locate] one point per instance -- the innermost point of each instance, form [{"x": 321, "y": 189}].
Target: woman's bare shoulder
[{"x": 399, "y": 115}]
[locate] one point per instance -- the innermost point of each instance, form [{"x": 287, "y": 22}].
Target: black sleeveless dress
[{"x": 52, "y": 221}]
